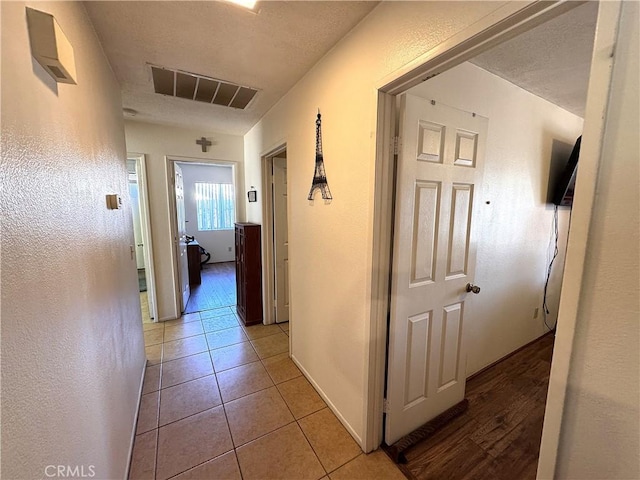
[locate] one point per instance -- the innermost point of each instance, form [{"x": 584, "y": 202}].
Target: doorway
[
  {"x": 443, "y": 58},
  {"x": 276, "y": 238},
  {"x": 434, "y": 259},
  {"x": 136, "y": 172},
  {"x": 203, "y": 213}
]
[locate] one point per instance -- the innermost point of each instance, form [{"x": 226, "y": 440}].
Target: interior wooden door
[
  {"x": 183, "y": 259},
  {"x": 281, "y": 239},
  {"x": 439, "y": 174}
]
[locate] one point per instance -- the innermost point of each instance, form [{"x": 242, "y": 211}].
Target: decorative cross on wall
[{"x": 204, "y": 143}]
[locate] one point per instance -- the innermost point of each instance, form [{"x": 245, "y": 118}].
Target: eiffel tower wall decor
[{"x": 319, "y": 176}]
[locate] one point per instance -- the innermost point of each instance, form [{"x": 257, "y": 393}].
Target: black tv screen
[{"x": 563, "y": 193}]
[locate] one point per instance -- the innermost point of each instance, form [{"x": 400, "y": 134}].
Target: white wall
[
  {"x": 72, "y": 344},
  {"x": 600, "y": 432},
  {"x": 156, "y": 142},
  {"x": 515, "y": 228},
  {"x": 330, "y": 246},
  {"x": 219, "y": 243}
]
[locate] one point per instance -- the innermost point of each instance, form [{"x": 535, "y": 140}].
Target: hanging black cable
[
  {"x": 545, "y": 307},
  {"x": 207, "y": 254}
]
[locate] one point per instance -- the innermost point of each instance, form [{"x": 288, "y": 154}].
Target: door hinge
[
  {"x": 397, "y": 145},
  {"x": 385, "y": 406}
]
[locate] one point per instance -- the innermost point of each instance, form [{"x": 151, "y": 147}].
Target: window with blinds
[{"x": 215, "y": 206}]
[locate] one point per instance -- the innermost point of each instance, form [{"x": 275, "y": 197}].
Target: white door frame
[
  {"x": 145, "y": 221},
  {"x": 170, "y": 161},
  {"x": 506, "y": 22},
  {"x": 268, "y": 260}
]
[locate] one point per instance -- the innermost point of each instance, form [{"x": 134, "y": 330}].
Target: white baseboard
[
  {"x": 135, "y": 420},
  {"x": 333, "y": 408}
]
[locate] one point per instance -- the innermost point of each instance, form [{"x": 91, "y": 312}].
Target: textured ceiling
[
  {"x": 551, "y": 61},
  {"x": 270, "y": 49}
]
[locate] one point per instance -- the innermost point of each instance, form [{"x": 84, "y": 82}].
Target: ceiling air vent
[{"x": 201, "y": 89}]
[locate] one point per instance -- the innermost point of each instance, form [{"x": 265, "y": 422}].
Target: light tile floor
[
  {"x": 223, "y": 401},
  {"x": 144, "y": 307}
]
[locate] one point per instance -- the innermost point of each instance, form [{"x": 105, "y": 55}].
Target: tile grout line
[
  {"x": 155, "y": 463},
  {"x": 297, "y": 421},
  {"x": 226, "y": 417},
  {"x": 281, "y": 397},
  {"x": 195, "y": 413},
  {"x": 192, "y": 415},
  {"x": 222, "y": 402},
  {"x": 161, "y": 387},
  {"x": 264, "y": 435},
  {"x": 233, "y": 445},
  {"x": 155, "y": 473},
  {"x": 205, "y": 333},
  {"x": 247, "y": 394},
  {"x": 200, "y": 464},
  {"x": 310, "y": 445}
]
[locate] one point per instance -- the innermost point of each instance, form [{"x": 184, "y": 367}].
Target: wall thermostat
[{"x": 114, "y": 202}]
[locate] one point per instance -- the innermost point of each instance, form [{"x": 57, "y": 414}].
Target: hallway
[{"x": 224, "y": 401}]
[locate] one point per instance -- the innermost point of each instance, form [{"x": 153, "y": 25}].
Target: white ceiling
[
  {"x": 551, "y": 61},
  {"x": 270, "y": 50}
]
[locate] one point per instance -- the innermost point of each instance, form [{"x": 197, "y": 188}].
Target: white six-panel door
[
  {"x": 183, "y": 262},
  {"x": 281, "y": 238},
  {"x": 439, "y": 174}
]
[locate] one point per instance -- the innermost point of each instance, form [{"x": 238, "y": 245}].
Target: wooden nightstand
[{"x": 193, "y": 257}]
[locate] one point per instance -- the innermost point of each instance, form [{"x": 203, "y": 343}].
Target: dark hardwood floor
[
  {"x": 498, "y": 438},
  {"x": 218, "y": 288}
]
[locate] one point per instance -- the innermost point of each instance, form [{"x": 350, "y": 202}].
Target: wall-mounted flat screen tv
[{"x": 563, "y": 193}]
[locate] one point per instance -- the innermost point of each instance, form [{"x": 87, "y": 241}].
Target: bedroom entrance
[
  {"x": 276, "y": 236},
  {"x": 203, "y": 198},
  {"x": 432, "y": 228},
  {"x": 142, "y": 236}
]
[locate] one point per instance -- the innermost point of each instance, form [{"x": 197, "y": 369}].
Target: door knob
[{"x": 473, "y": 288}]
